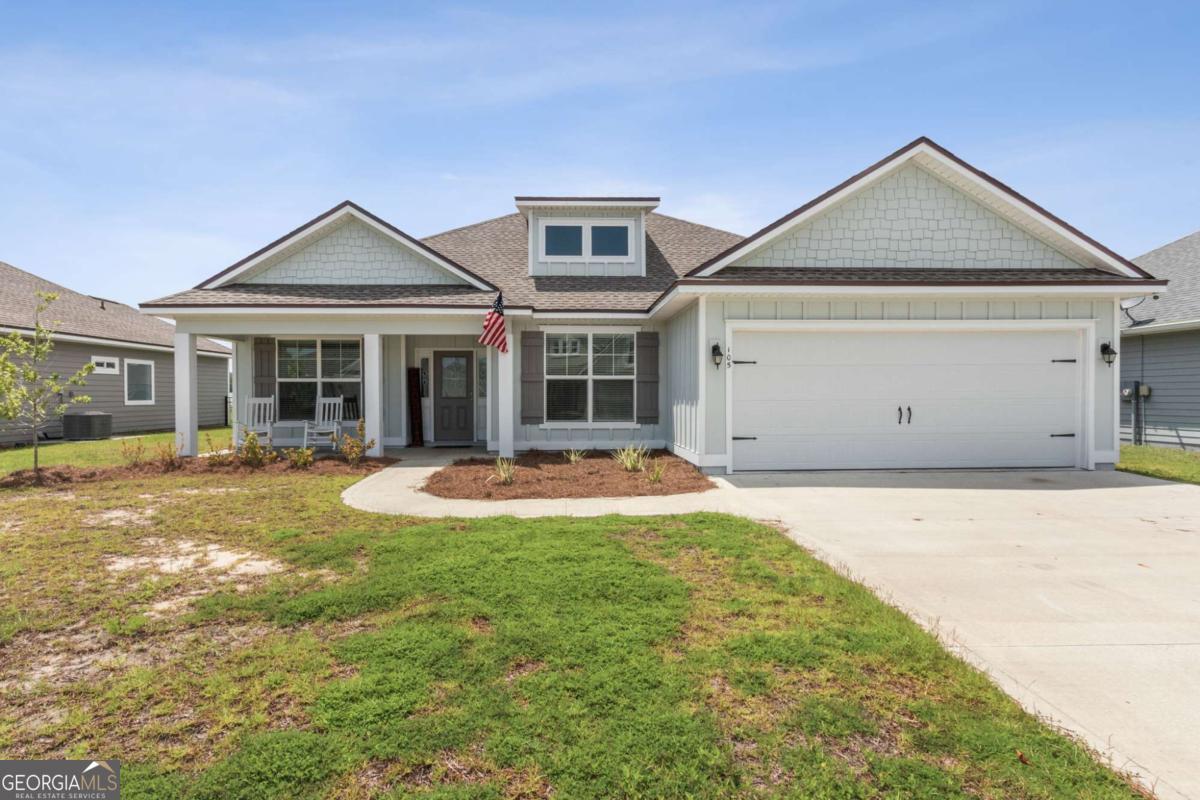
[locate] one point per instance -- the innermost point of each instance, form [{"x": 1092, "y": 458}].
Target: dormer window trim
[{"x": 586, "y": 224}]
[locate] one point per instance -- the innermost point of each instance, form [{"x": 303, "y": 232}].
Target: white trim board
[
  {"x": 1085, "y": 412},
  {"x": 97, "y": 340}
]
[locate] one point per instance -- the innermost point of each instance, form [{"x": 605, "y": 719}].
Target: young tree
[{"x": 28, "y": 394}]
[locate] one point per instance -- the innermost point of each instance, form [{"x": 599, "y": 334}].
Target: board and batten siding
[
  {"x": 108, "y": 391},
  {"x": 1169, "y": 363},
  {"x": 682, "y": 380},
  {"x": 720, "y": 310}
]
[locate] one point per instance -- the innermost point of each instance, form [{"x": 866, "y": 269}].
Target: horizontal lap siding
[
  {"x": 108, "y": 391},
  {"x": 1169, "y": 363}
]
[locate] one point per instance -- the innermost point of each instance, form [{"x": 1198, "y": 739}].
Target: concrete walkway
[{"x": 1078, "y": 592}]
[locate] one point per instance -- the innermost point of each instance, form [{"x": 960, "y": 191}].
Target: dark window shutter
[
  {"x": 647, "y": 378},
  {"x": 264, "y": 366},
  {"x": 533, "y": 365}
]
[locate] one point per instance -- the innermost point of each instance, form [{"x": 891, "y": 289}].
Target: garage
[{"x": 894, "y": 397}]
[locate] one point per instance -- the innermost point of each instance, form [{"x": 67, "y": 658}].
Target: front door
[{"x": 453, "y": 397}]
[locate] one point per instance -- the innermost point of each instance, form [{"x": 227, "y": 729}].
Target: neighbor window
[
  {"x": 308, "y": 368},
  {"x": 105, "y": 365},
  {"x": 139, "y": 382},
  {"x": 590, "y": 377},
  {"x": 582, "y": 240}
]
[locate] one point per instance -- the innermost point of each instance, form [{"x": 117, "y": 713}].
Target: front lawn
[
  {"x": 104, "y": 453},
  {"x": 1168, "y": 463},
  {"x": 250, "y": 636}
]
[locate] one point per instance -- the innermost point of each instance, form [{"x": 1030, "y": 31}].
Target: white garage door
[{"x": 896, "y": 399}]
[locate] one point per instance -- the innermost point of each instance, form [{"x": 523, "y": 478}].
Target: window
[
  {"x": 481, "y": 375},
  {"x": 590, "y": 377},
  {"x": 584, "y": 240},
  {"x": 104, "y": 365},
  {"x": 308, "y": 368},
  {"x": 139, "y": 382}
]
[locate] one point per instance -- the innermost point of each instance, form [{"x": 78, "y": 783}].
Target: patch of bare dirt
[
  {"x": 62, "y": 475},
  {"x": 121, "y": 517},
  {"x": 550, "y": 476},
  {"x": 522, "y": 668},
  {"x": 473, "y": 768},
  {"x": 187, "y": 556}
]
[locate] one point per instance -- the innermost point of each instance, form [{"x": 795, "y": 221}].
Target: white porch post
[
  {"x": 506, "y": 378},
  {"x": 243, "y": 383},
  {"x": 373, "y": 391},
  {"x": 186, "y": 402}
]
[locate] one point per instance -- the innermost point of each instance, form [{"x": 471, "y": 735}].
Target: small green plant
[
  {"x": 632, "y": 458},
  {"x": 219, "y": 455},
  {"x": 354, "y": 448},
  {"x": 506, "y": 471},
  {"x": 252, "y": 453},
  {"x": 133, "y": 452},
  {"x": 656, "y": 471},
  {"x": 125, "y": 626},
  {"x": 166, "y": 456},
  {"x": 574, "y": 456},
  {"x": 299, "y": 457}
]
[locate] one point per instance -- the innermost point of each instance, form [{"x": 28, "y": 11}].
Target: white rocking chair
[
  {"x": 328, "y": 421},
  {"x": 260, "y": 417}
]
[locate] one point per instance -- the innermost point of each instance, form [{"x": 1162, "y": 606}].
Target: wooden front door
[{"x": 454, "y": 396}]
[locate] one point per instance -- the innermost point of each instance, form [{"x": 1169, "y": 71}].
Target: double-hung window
[
  {"x": 590, "y": 377},
  {"x": 586, "y": 240},
  {"x": 139, "y": 382},
  {"x": 311, "y": 368}
]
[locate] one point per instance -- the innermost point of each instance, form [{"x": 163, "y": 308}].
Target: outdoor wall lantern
[
  {"x": 717, "y": 355},
  {"x": 1108, "y": 353}
]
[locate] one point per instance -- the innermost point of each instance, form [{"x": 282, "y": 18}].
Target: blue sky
[{"x": 144, "y": 147}]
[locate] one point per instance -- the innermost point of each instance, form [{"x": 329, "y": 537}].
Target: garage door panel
[{"x": 828, "y": 400}]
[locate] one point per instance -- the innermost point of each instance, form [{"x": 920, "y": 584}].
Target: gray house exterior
[
  {"x": 134, "y": 378},
  {"x": 1161, "y": 349}
]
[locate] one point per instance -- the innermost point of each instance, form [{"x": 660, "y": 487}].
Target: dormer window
[{"x": 586, "y": 240}]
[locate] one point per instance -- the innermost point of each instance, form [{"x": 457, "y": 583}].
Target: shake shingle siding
[
  {"x": 108, "y": 391},
  {"x": 1170, "y": 364}
]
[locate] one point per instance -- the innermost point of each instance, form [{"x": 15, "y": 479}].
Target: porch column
[
  {"x": 243, "y": 384},
  {"x": 506, "y": 372},
  {"x": 373, "y": 391},
  {"x": 186, "y": 402}
]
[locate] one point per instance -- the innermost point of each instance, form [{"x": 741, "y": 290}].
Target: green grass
[
  {"x": 106, "y": 453},
  {"x": 702, "y": 656},
  {"x": 1168, "y": 463}
]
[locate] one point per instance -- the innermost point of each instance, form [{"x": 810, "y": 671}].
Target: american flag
[{"x": 493, "y": 327}]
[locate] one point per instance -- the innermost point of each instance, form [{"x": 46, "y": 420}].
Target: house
[
  {"x": 1161, "y": 350},
  {"x": 920, "y": 314},
  {"x": 134, "y": 374}
]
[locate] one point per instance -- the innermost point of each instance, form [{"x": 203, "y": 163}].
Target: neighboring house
[
  {"x": 921, "y": 314},
  {"x": 1161, "y": 349},
  {"x": 134, "y": 375}
]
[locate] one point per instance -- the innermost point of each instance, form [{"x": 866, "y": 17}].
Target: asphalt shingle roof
[
  {"x": 1179, "y": 263},
  {"x": 82, "y": 315}
]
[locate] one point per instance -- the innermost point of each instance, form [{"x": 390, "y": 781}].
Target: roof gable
[
  {"x": 908, "y": 218},
  {"x": 347, "y": 245},
  {"x": 986, "y": 192}
]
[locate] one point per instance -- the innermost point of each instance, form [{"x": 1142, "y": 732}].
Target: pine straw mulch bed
[
  {"x": 545, "y": 475},
  {"x": 59, "y": 475}
]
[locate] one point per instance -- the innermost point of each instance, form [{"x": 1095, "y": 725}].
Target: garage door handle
[
  {"x": 899, "y": 415},
  {"x": 910, "y": 415},
  {"x": 1062, "y": 436},
  {"x": 745, "y": 438}
]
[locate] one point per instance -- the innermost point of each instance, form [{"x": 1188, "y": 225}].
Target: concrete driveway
[{"x": 1078, "y": 592}]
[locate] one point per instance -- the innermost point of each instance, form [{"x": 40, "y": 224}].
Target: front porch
[{"x": 428, "y": 384}]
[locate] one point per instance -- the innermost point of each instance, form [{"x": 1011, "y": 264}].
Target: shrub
[
  {"x": 252, "y": 454},
  {"x": 506, "y": 471},
  {"x": 574, "y": 456},
  {"x": 299, "y": 457},
  {"x": 354, "y": 448},
  {"x": 133, "y": 452},
  {"x": 218, "y": 455},
  {"x": 166, "y": 456},
  {"x": 656, "y": 471},
  {"x": 632, "y": 458}
]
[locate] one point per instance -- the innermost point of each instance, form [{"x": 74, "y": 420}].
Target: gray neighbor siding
[
  {"x": 108, "y": 391},
  {"x": 1170, "y": 364}
]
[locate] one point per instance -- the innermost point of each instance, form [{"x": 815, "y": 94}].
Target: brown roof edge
[
  {"x": 584, "y": 199},
  {"x": 325, "y": 215},
  {"x": 1123, "y": 281},
  {"x": 482, "y": 306},
  {"x": 891, "y": 157}
]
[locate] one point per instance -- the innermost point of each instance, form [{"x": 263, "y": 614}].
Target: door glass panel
[{"x": 454, "y": 376}]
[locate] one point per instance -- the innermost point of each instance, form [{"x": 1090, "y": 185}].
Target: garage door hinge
[
  {"x": 1062, "y": 436},
  {"x": 1062, "y": 361},
  {"x": 755, "y": 438}
]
